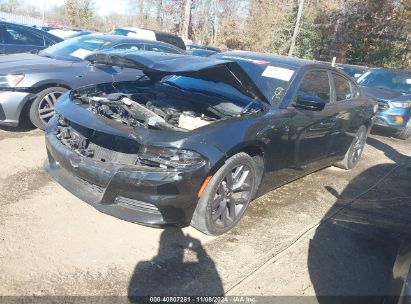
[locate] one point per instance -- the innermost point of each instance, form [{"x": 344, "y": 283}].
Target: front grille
[
  {"x": 382, "y": 106},
  {"x": 107, "y": 155},
  {"x": 91, "y": 187},
  {"x": 136, "y": 205},
  {"x": 96, "y": 145}
]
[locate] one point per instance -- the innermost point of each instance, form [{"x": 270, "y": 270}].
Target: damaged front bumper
[{"x": 140, "y": 194}]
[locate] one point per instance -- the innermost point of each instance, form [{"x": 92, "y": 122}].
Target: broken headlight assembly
[{"x": 170, "y": 158}]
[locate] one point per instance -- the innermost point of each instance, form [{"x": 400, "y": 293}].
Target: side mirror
[{"x": 312, "y": 103}]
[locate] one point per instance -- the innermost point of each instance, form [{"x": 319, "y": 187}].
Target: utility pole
[
  {"x": 44, "y": 12},
  {"x": 296, "y": 28}
]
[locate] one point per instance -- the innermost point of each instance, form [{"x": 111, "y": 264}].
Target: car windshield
[
  {"x": 206, "y": 87},
  {"x": 395, "y": 81},
  {"x": 272, "y": 79},
  {"x": 75, "y": 49}
]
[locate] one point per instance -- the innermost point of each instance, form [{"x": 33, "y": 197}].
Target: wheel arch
[
  {"x": 37, "y": 88},
  {"x": 253, "y": 148}
]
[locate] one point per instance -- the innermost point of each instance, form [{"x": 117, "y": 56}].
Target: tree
[
  {"x": 297, "y": 27},
  {"x": 10, "y": 6},
  {"x": 79, "y": 13},
  {"x": 186, "y": 18}
]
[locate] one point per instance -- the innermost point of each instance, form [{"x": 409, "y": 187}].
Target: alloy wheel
[
  {"x": 46, "y": 106},
  {"x": 358, "y": 147},
  {"x": 232, "y": 196}
]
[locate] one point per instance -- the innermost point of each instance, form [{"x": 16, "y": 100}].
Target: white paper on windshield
[
  {"x": 408, "y": 81},
  {"x": 278, "y": 73},
  {"x": 81, "y": 53}
]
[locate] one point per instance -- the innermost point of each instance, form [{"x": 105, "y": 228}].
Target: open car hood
[{"x": 157, "y": 65}]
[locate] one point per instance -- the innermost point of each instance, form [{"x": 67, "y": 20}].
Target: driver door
[{"x": 314, "y": 130}]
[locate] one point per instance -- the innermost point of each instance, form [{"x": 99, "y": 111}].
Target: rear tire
[
  {"x": 406, "y": 132},
  {"x": 42, "y": 108},
  {"x": 353, "y": 155},
  {"x": 226, "y": 196}
]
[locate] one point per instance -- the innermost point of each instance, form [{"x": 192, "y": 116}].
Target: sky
[{"x": 103, "y": 7}]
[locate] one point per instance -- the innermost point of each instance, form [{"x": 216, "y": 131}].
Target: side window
[
  {"x": 160, "y": 48},
  {"x": 130, "y": 47},
  {"x": 315, "y": 87},
  {"x": 342, "y": 88},
  {"x": 21, "y": 36}
]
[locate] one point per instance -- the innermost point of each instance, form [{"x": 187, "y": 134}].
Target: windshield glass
[
  {"x": 272, "y": 79},
  {"x": 395, "y": 81},
  {"x": 210, "y": 88},
  {"x": 75, "y": 49}
]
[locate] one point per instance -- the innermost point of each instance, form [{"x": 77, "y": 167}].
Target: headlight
[
  {"x": 9, "y": 81},
  {"x": 170, "y": 158},
  {"x": 404, "y": 104}
]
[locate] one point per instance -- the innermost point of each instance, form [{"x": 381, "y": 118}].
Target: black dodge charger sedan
[{"x": 194, "y": 139}]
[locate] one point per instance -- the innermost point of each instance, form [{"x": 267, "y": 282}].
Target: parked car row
[{"x": 31, "y": 83}]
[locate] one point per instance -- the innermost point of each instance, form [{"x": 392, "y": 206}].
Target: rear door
[{"x": 348, "y": 104}]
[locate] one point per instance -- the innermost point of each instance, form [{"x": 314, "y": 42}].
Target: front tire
[
  {"x": 406, "y": 132},
  {"x": 355, "y": 150},
  {"x": 226, "y": 196},
  {"x": 42, "y": 108}
]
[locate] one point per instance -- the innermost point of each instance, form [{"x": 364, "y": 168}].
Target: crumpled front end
[{"x": 105, "y": 171}]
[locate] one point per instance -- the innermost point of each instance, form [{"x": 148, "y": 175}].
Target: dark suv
[{"x": 16, "y": 38}]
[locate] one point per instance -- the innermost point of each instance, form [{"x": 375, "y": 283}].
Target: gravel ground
[{"x": 315, "y": 236}]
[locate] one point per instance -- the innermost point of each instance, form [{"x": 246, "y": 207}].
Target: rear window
[
  {"x": 171, "y": 39},
  {"x": 342, "y": 88},
  {"x": 121, "y": 32}
]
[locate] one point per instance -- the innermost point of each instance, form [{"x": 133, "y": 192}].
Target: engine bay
[{"x": 156, "y": 106}]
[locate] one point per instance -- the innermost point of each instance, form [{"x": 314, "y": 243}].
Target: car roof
[
  {"x": 352, "y": 66},
  {"x": 283, "y": 60},
  {"x": 391, "y": 70},
  {"x": 140, "y": 28}
]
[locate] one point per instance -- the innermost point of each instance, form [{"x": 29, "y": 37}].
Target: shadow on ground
[
  {"x": 181, "y": 267},
  {"x": 353, "y": 250},
  {"x": 23, "y": 126}
]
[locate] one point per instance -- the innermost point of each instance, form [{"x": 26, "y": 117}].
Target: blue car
[
  {"x": 392, "y": 91},
  {"x": 17, "y": 38}
]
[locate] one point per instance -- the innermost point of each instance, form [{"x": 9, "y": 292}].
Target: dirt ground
[{"x": 333, "y": 232}]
